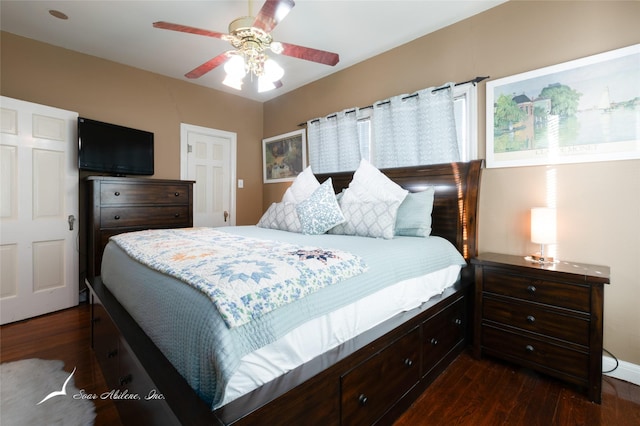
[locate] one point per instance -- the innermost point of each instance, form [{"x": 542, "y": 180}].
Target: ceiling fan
[{"x": 250, "y": 37}]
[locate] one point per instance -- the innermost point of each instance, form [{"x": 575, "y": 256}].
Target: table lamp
[{"x": 543, "y": 231}]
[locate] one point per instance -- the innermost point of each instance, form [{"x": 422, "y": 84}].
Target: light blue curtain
[
  {"x": 418, "y": 129},
  {"x": 333, "y": 142}
]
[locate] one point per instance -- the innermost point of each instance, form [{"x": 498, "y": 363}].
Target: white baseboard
[{"x": 626, "y": 371}]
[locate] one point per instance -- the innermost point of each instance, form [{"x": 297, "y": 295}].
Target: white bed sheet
[{"x": 324, "y": 333}]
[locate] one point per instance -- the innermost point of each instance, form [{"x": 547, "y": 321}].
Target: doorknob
[
  {"x": 71, "y": 219},
  {"x": 226, "y": 215}
]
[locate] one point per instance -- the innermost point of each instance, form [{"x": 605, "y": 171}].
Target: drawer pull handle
[
  {"x": 112, "y": 353},
  {"x": 531, "y": 319},
  {"x": 177, "y": 194},
  {"x": 117, "y": 193},
  {"x": 531, "y": 289},
  {"x": 125, "y": 380},
  {"x": 434, "y": 341},
  {"x": 362, "y": 399},
  {"x": 457, "y": 321},
  {"x": 529, "y": 349},
  {"x": 117, "y": 217},
  {"x": 408, "y": 362}
]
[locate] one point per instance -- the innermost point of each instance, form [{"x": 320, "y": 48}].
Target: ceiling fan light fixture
[
  {"x": 264, "y": 84},
  {"x": 272, "y": 70},
  {"x": 276, "y": 47},
  {"x": 235, "y": 68},
  {"x": 234, "y": 83}
]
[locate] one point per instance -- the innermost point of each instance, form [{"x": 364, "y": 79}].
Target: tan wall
[
  {"x": 111, "y": 92},
  {"x": 598, "y": 203}
]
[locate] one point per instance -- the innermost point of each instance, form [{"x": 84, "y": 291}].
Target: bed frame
[{"x": 370, "y": 379}]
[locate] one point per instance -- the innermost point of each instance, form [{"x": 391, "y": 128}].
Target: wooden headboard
[{"x": 455, "y": 208}]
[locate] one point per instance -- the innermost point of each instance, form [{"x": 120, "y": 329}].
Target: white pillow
[
  {"x": 302, "y": 187},
  {"x": 370, "y": 185},
  {"x": 320, "y": 212},
  {"x": 282, "y": 216}
]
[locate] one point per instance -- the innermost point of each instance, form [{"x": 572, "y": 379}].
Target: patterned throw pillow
[
  {"x": 368, "y": 219},
  {"x": 414, "y": 214},
  {"x": 320, "y": 212},
  {"x": 282, "y": 216},
  {"x": 302, "y": 187}
]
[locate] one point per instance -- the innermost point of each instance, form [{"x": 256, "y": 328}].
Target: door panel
[
  {"x": 38, "y": 191},
  {"x": 208, "y": 158}
]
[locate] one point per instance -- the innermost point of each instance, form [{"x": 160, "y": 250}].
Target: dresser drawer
[
  {"x": 143, "y": 193},
  {"x": 534, "y": 352},
  {"x": 152, "y": 217},
  {"x": 373, "y": 386},
  {"x": 566, "y": 295},
  {"x": 537, "y": 319},
  {"x": 442, "y": 333}
]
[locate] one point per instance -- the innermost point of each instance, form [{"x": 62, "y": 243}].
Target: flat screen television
[{"x": 116, "y": 150}]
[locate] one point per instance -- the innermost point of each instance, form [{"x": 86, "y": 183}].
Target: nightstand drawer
[
  {"x": 166, "y": 216},
  {"x": 570, "y": 296},
  {"x": 533, "y": 352},
  {"x": 537, "y": 319},
  {"x": 143, "y": 193}
]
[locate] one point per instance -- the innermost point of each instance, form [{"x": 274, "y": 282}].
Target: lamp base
[{"x": 537, "y": 258}]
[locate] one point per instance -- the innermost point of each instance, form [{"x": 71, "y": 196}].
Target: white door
[
  {"x": 38, "y": 201},
  {"x": 208, "y": 157}
]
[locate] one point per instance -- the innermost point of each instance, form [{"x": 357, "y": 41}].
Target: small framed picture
[{"x": 284, "y": 156}]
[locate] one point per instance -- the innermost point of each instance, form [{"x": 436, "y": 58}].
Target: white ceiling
[{"x": 121, "y": 31}]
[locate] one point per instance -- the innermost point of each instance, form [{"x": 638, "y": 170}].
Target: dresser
[
  {"x": 120, "y": 204},
  {"x": 546, "y": 317}
]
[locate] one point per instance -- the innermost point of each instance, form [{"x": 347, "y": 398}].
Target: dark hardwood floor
[{"x": 470, "y": 392}]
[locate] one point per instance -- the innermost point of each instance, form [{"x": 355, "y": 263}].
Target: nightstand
[{"x": 546, "y": 317}]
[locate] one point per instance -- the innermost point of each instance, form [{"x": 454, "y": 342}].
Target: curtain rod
[{"x": 473, "y": 81}]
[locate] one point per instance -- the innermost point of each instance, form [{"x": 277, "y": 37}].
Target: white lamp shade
[
  {"x": 272, "y": 70},
  {"x": 235, "y": 67},
  {"x": 264, "y": 84},
  {"x": 543, "y": 225}
]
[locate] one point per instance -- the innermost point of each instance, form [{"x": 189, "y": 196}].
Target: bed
[{"x": 329, "y": 381}]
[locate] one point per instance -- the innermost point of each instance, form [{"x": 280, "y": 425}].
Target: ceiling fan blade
[
  {"x": 310, "y": 54},
  {"x": 187, "y": 29},
  {"x": 272, "y": 12},
  {"x": 207, "y": 66}
]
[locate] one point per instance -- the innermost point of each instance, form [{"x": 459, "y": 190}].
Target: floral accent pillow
[{"x": 320, "y": 212}]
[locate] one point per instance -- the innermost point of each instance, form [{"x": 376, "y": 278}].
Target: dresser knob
[
  {"x": 408, "y": 362},
  {"x": 434, "y": 341},
  {"x": 531, "y": 319},
  {"x": 176, "y": 215},
  {"x": 362, "y": 399},
  {"x": 457, "y": 321},
  {"x": 112, "y": 353},
  {"x": 117, "y": 217},
  {"x": 177, "y": 194},
  {"x": 117, "y": 194},
  {"x": 529, "y": 349},
  {"x": 531, "y": 289}
]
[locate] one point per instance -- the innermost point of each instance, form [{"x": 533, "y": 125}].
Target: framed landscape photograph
[
  {"x": 284, "y": 156},
  {"x": 578, "y": 111}
]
